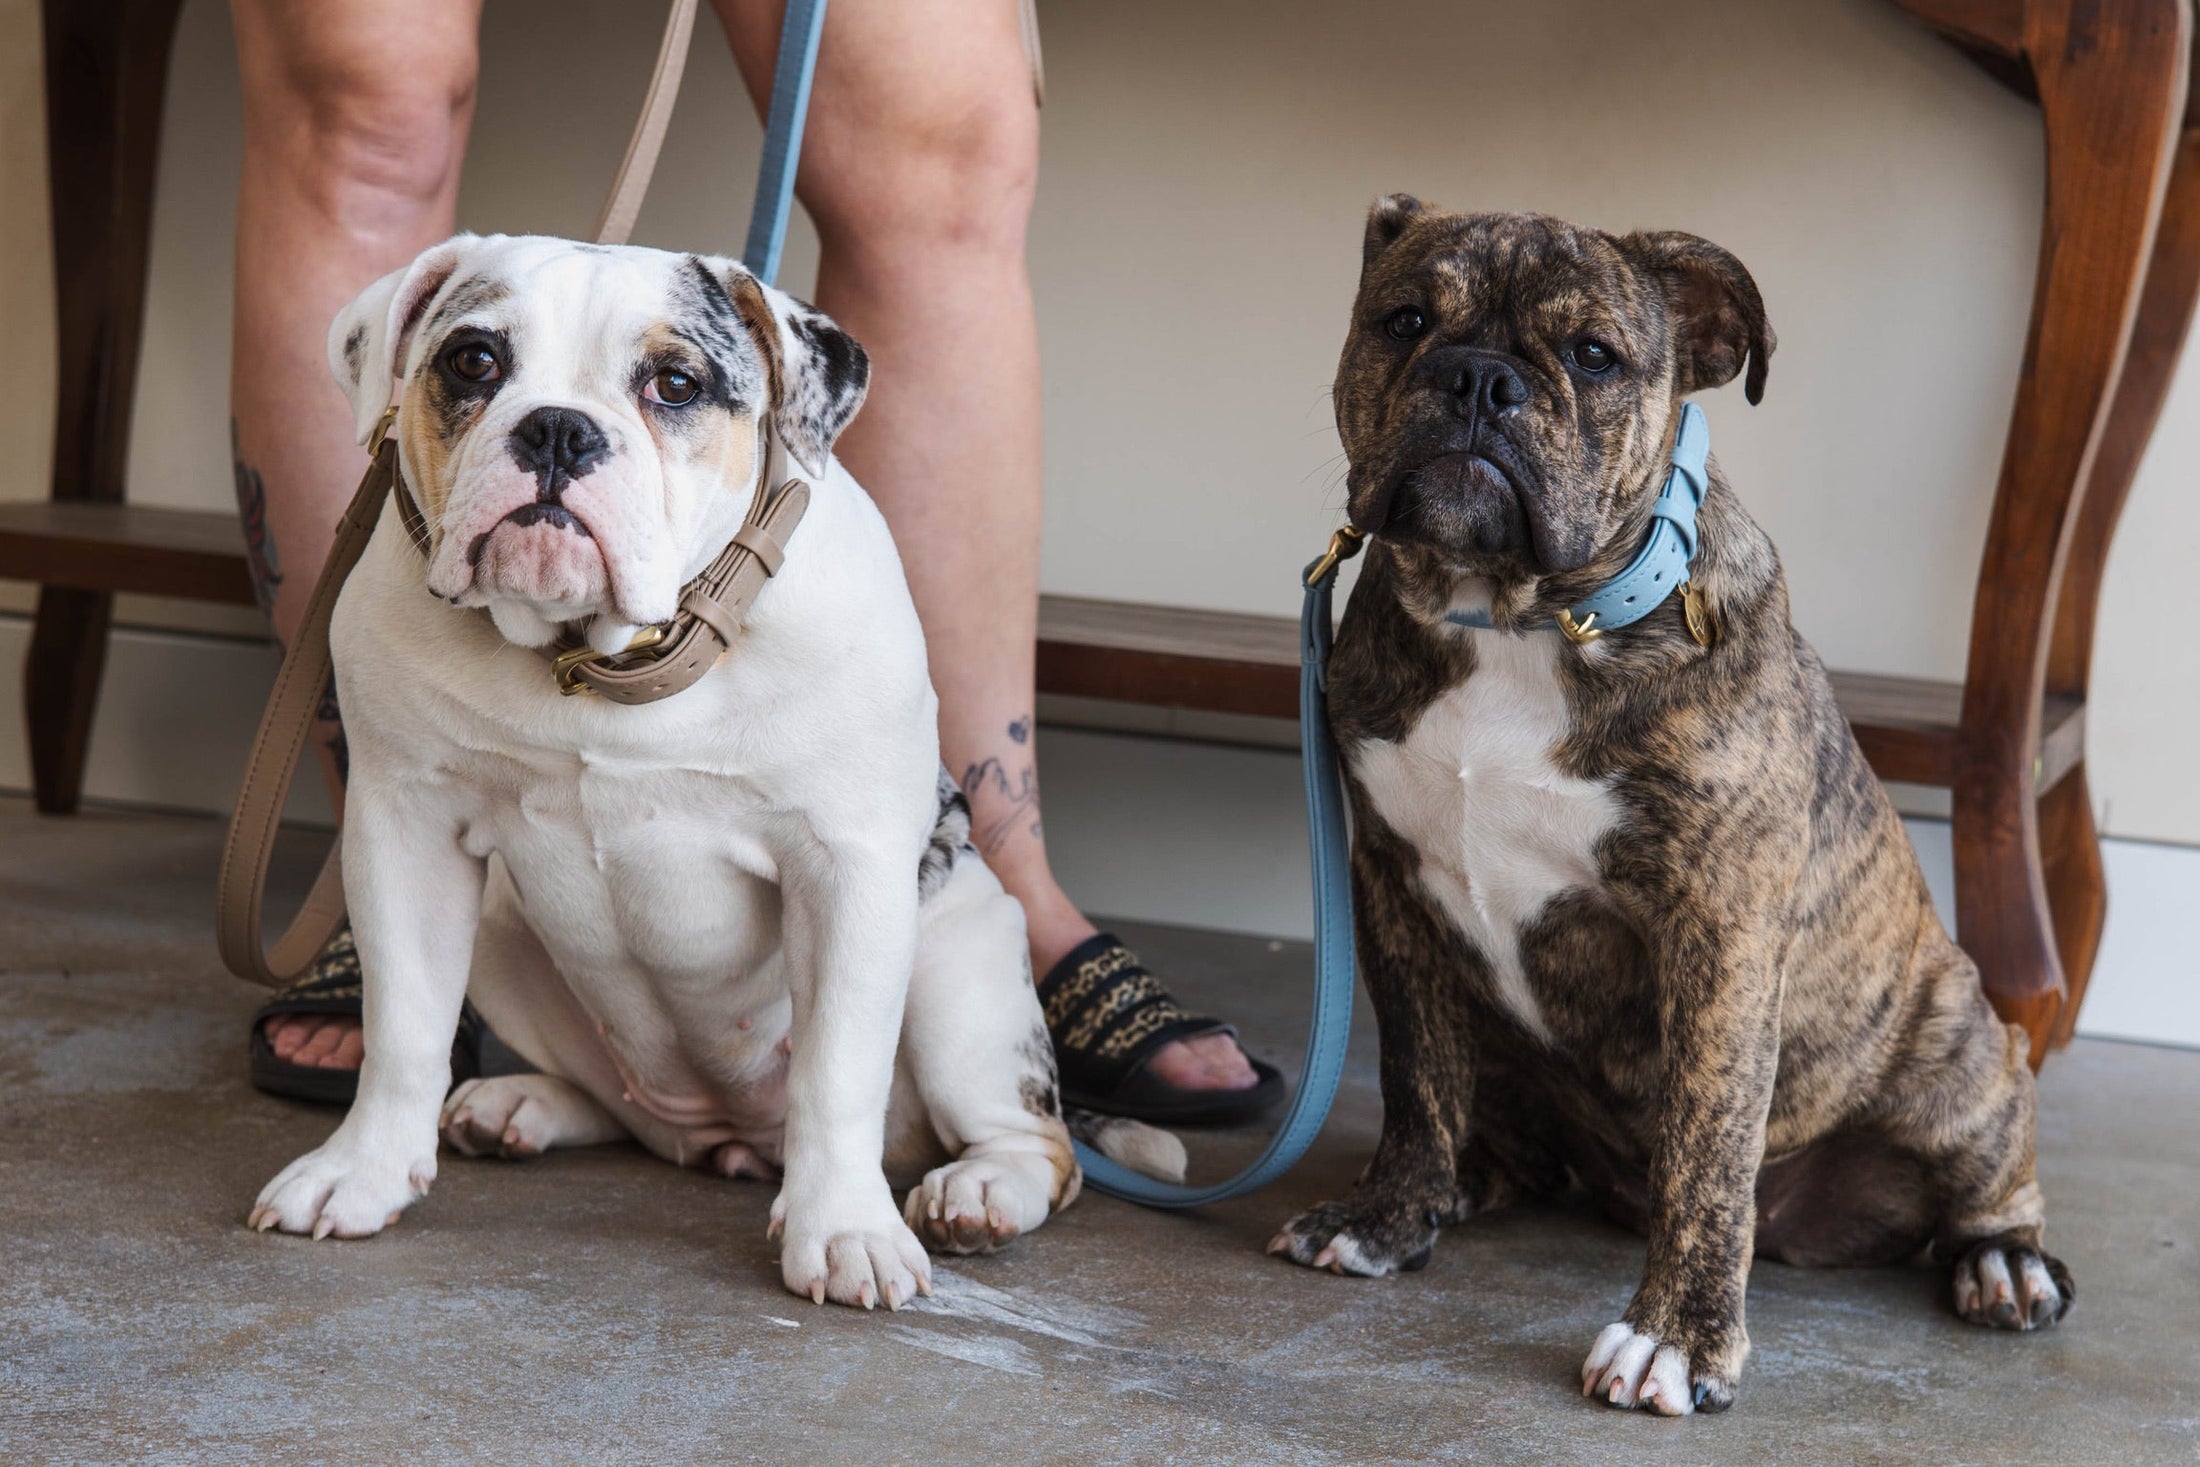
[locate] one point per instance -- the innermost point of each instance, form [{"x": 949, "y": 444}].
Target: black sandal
[
  {"x": 331, "y": 986},
  {"x": 1108, "y": 1015}
]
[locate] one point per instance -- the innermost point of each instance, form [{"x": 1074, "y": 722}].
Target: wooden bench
[
  {"x": 1220, "y": 662},
  {"x": 2119, "y": 272}
]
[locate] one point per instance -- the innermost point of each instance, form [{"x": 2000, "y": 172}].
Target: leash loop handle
[
  {"x": 285, "y": 725},
  {"x": 1331, "y": 1022},
  {"x": 630, "y": 185}
]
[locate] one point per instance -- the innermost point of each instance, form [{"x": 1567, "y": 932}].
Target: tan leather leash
[{"x": 662, "y": 661}]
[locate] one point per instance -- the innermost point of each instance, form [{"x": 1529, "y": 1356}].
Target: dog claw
[{"x": 323, "y": 1227}]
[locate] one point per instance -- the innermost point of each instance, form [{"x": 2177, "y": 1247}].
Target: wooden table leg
[
  {"x": 106, "y": 76},
  {"x": 2070, "y": 847},
  {"x": 2111, "y": 79}
]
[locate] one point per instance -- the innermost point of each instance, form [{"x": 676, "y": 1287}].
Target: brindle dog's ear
[
  {"x": 1386, "y": 221},
  {"x": 1718, "y": 315}
]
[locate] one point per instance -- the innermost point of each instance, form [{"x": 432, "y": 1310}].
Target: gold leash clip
[
  {"x": 1581, "y": 633},
  {"x": 381, "y": 430},
  {"x": 1342, "y": 547}
]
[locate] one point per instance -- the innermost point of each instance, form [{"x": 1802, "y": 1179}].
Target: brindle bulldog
[{"x": 1633, "y": 912}]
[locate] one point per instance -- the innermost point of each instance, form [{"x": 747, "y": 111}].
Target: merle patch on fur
[{"x": 950, "y": 839}]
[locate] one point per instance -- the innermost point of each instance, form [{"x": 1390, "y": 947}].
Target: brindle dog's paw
[
  {"x": 2006, "y": 1284},
  {"x": 1360, "y": 1236},
  {"x": 1633, "y": 1370}
]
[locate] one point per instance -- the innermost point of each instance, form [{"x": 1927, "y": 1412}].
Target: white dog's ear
[
  {"x": 824, "y": 375},
  {"x": 368, "y": 340},
  {"x": 818, "y": 373}
]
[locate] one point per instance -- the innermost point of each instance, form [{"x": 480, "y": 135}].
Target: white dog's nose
[{"x": 558, "y": 445}]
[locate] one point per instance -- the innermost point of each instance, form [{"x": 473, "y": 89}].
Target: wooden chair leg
[
  {"x": 61, "y": 690},
  {"x": 2070, "y": 846},
  {"x": 2111, "y": 81},
  {"x": 106, "y": 77}
]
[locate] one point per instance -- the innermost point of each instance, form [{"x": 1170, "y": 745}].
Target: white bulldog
[{"x": 706, "y": 920}]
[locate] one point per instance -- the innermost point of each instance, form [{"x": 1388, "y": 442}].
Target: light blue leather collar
[{"x": 1659, "y": 566}]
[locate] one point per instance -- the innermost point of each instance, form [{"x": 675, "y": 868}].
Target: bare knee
[
  {"x": 361, "y": 107},
  {"x": 950, "y": 171}
]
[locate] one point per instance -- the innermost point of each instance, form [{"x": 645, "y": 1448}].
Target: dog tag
[{"x": 1696, "y": 608}]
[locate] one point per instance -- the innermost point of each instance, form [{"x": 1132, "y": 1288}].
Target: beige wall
[{"x": 1195, "y": 249}]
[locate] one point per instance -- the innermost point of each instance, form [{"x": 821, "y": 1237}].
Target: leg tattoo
[
  {"x": 259, "y": 542},
  {"x": 1003, "y": 798}
]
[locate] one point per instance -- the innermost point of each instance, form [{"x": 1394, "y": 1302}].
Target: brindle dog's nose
[
  {"x": 1481, "y": 383},
  {"x": 557, "y": 445}
]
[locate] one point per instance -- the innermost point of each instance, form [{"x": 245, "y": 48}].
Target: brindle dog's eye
[
  {"x": 474, "y": 362},
  {"x": 673, "y": 389},
  {"x": 1593, "y": 356},
  {"x": 1405, "y": 323}
]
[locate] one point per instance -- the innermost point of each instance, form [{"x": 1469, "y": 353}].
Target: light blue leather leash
[
  {"x": 1333, "y": 971},
  {"x": 799, "y": 30},
  {"x": 791, "y": 80},
  {"x": 1648, "y": 579}
]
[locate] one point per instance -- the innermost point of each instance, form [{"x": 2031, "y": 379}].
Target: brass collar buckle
[{"x": 566, "y": 666}]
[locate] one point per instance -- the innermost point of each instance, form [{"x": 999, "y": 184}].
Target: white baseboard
[
  {"x": 176, "y": 717},
  {"x": 1155, "y": 828}
]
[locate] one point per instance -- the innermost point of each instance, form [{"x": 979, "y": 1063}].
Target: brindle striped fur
[{"x": 1762, "y": 1037}]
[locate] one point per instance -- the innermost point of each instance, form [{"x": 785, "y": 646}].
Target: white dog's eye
[
  {"x": 473, "y": 361},
  {"x": 673, "y": 389}
]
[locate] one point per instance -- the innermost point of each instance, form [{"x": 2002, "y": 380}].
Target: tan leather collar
[{"x": 671, "y": 657}]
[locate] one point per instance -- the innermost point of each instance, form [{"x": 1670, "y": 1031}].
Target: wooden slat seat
[{"x": 89, "y": 546}]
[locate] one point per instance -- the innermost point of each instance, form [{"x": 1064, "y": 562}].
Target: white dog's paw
[
  {"x": 851, "y": 1254},
  {"x": 979, "y": 1203},
  {"x": 515, "y": 1116},
  {"x": 1626, "y": 1368},
  {"x": 335, "y": 1192}
]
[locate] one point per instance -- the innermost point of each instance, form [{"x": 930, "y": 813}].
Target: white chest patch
[{"x": 1500, "y": 828}]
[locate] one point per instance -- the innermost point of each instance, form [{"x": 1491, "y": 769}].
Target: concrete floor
[{"x": 600, "y": 1306}]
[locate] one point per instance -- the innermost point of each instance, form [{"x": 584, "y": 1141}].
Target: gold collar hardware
[
  {"x": 566, "y": 666},
  {"x": 381, "y": 430},
  {"x": 1696, "y": 610},
  {"x": 1581, "y": 633},
  {"x": 1343, "y": 545}
]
